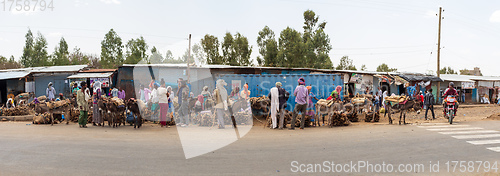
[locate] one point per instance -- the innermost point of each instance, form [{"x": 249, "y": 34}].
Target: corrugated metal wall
[
  {"x": 259, "y": 85},
  {"x": 58, "y": 81}
]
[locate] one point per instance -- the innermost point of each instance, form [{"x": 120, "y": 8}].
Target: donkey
[
  {"x": 133, "y": 106},
  {"x": 403, "y": 107}
]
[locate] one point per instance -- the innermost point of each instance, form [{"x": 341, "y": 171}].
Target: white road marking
[
  {"x": 443, "y": 126},
  {"x": 476, "y": 136},
  {"x": 455, "y": 129},
  {"x": 470, "y": 132},
  {"x": 431, "y": 124},
  {"x": 482, "y": 142},
  {"x": 496, "y": 149}
]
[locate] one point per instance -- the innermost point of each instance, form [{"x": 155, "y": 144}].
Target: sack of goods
[
  {"x": 324, "y": 102},
  {"x": 396, "y": 99},
  {"x": 117, "y": 101}
]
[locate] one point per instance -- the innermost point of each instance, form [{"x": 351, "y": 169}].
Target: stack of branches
[
  {"x": 90, "y": 115},
  {"x": 42, "y": 118},
  {"x": 350, "y": 112},
  {"x": 372, "y": 116},
  {"x": 326, "y": 103},
  {"x": 73, "y": 115},
  {"x": 287, "y": 120},
  {"x": 338, "y": 119},
  {"x": 260, "y": 102},
  {"x": 243, "y": 118},
  {"x": 207, "y": 119},
  {"x": 307, "y": 120},
  {"x": 395, "y": 99},
  {"x": 17, "y": 111},
  {"x": 58, "y": 104}
]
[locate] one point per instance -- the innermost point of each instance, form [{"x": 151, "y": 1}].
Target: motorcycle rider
[{"x": 450, "y": 91}]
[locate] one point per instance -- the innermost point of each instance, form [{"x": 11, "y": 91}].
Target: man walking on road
[
  {"x": 429, "y": 103},
  {"x": 301, "y": 103}
]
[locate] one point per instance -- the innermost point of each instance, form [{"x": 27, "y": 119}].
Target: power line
[{"x": 384, "y": 47}]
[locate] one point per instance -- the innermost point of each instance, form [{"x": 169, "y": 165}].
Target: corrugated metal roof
[
  {"x": 460, "y": 78},
  {"x": 13, "y": 75},
  {"x": 65, "y": 68},
  {"x": 90, "y": 75},
  {"x": 98, "y": 70}
]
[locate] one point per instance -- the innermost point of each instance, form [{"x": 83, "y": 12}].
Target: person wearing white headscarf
[
  {"x": 97, "y": 88},
  {"x": 50, "y": 92},
  {"x": 274, "y": 96},
  {"x": 221, "y": 99}
]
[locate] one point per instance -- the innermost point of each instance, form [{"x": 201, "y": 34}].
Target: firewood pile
[
  {"x": 42, "y": 98},
  {"x": 42, "y": 118},
  {"x": 90, "y": 115},
  {"x": 73, "y": 115},
  {"x": 307, "y": 122},
  {"x": 207, "y": 118},
  {"x": 17, "y": 111},
  {"x": 325, "y": 103},
  {"x": 260, "y": 102},
  {"x": 338, "y": 119},
  {"x": 369, "y": 116},
  {"x": 352, "y": 116}
]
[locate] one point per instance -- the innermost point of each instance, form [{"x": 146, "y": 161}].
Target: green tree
[
  {"x": 26, "y": 58},
  {"x": 291, "y": 49},
  {"x": 136, "y": 51},
  {"x": 385, "y": 68},
  {"x": 111, "y": 50},
  {"x": 40, "y": 55},
  {"x": 210, "y": 45},
  {"x": 363, "y": 67},
  {"x": 156, "y": 57},
  {"x": 447, "y": 70},
  {"x": 228, "y": 54},
  {"x": 169, "y": 58},
  {"x": 61, "y": 53},
  {"x": 268, "y": 48},
  {"x": 345, "y": 64},
  {"x": 242, "y": 50},
  {"x": 316, "y": 41},
  {"x": 198, "y": 54},
  {"x": 77, "y": 57}
]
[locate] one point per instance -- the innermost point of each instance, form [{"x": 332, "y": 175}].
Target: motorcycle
[{"x": 450, "y": 105}]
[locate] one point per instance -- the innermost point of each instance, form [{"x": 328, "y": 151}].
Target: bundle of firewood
[
  {"x": 352, "y": 116},
  {"x": 260, "y": 102},
  {"x": 369, "y": 116},
  {"x": 73, "y": 115},
  {"x": 42, "y": 118},
  {"x": 58, "y": 104},
  {"x": 90, "y": 115},
  {"x": 17, "y": 111},
  {"x": 42, "y": 98},
  {"x": 117, "y": 101},
  {"x": 396, "y": 99},
  {"x": 307, "y": 122},
  {"x": 339, "y": 119},
  {"x": 324, "y": 102},
  {"x": 243, "y": 118}
]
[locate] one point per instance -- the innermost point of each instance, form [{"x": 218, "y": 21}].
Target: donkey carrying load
[{"x": 403, "y": 104}]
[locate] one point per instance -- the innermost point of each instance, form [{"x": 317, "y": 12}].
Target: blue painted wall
[{"x": 259, "y": 85}]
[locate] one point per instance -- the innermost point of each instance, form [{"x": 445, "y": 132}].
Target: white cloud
[
  {"x": 111, "y": 1},
  {"x": 495, "y": 17}
]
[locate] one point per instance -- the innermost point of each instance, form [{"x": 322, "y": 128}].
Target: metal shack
[{"x": 57, "y": 75}]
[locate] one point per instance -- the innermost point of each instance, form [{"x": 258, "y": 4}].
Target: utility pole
[
  {"x": 189, "y": 58},
  {"x": 439, "y": 54}
]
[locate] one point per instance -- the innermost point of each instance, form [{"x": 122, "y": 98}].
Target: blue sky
[{"x": 402, "y": 34}]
